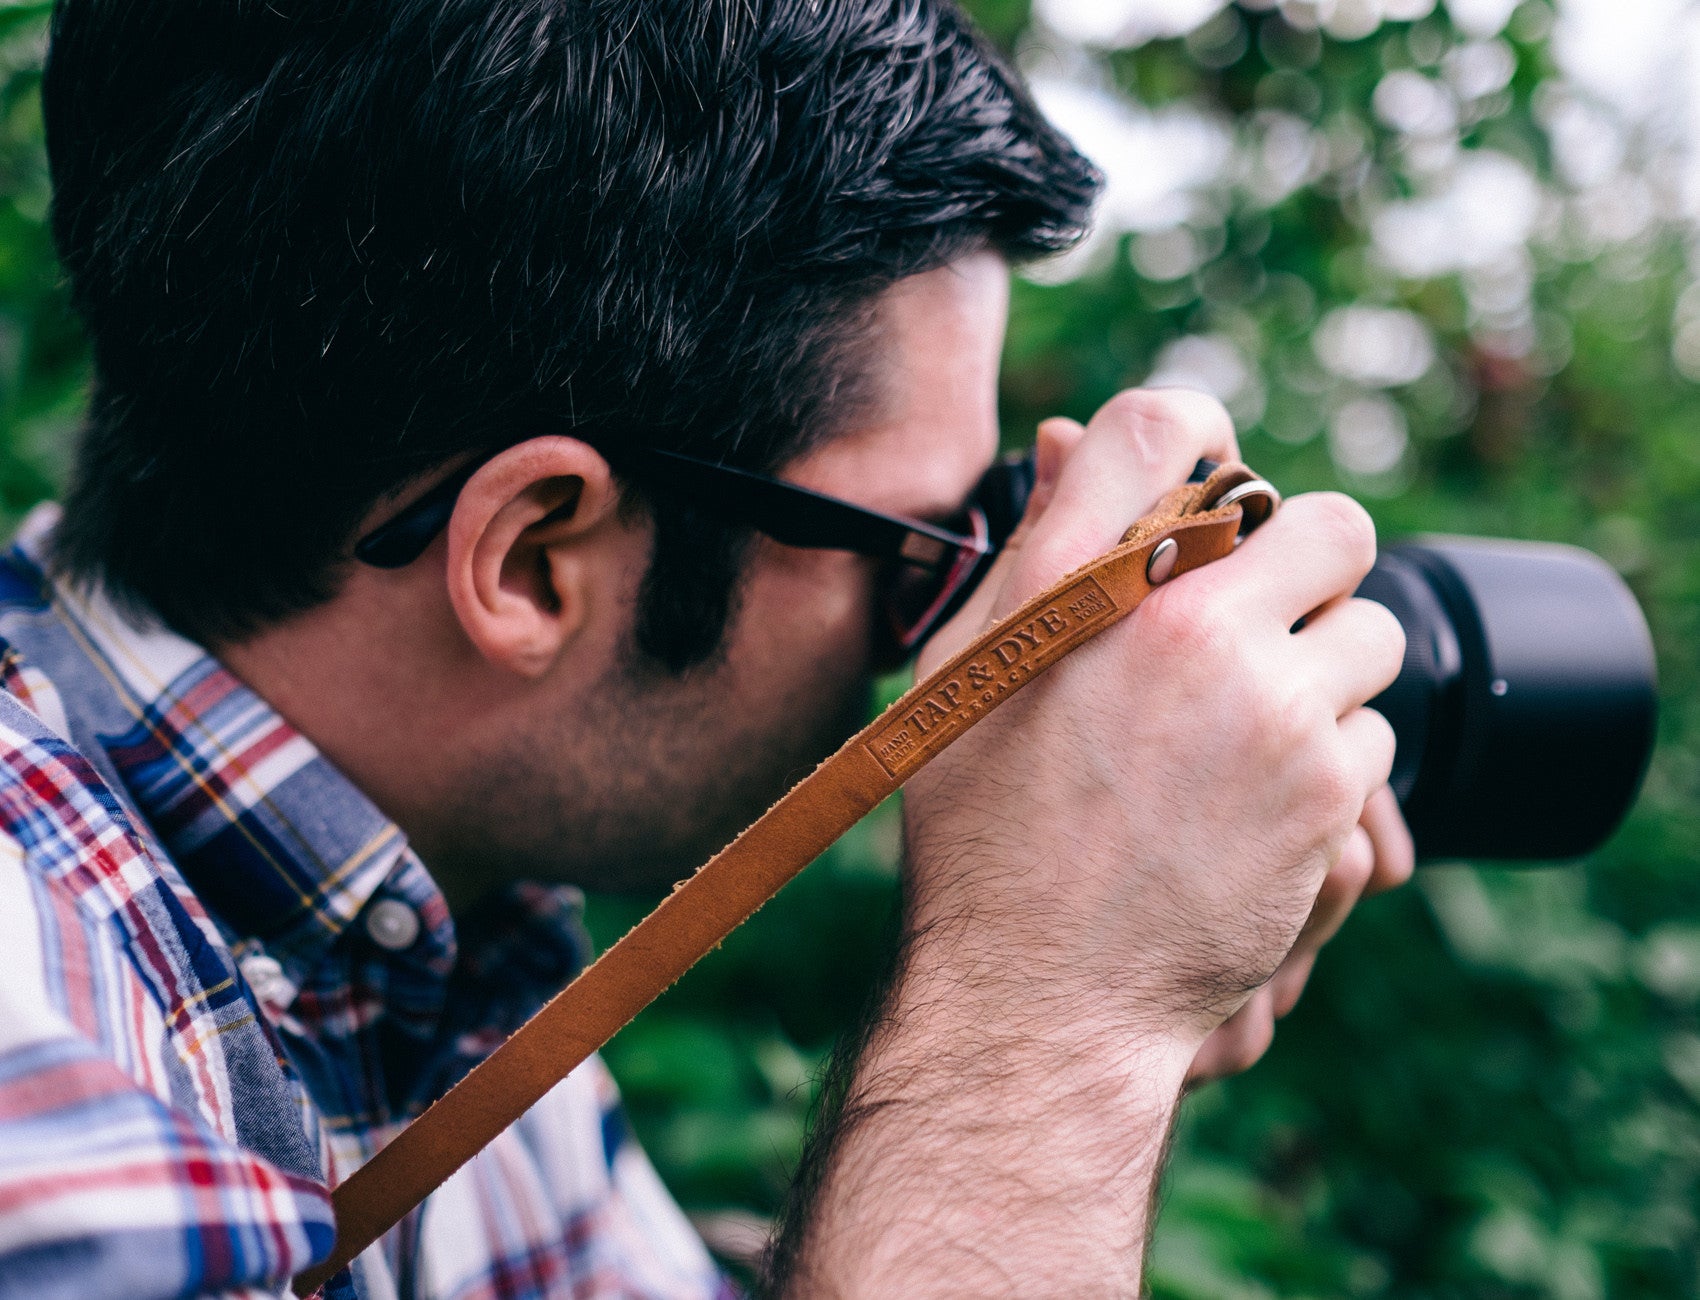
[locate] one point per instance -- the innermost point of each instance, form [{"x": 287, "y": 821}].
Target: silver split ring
[{"x": 1257, "y": 498}]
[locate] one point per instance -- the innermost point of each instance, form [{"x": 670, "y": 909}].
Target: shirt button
[
  {"x": 392, "y": 924},
  {"x": 265, "y": 976}
]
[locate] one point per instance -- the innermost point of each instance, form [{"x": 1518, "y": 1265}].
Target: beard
[{"x": 647, "y": 774}]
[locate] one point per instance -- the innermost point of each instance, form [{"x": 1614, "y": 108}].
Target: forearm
[
  {"x": 1101, "y": 873},
  {"x": 999, "y": 1134}
]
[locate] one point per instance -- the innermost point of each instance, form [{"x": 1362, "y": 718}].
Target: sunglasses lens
[
  {"x": 921, "y": 597},
  {"x": 918, "y": 599}
]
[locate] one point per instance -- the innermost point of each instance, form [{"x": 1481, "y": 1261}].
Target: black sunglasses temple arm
[{"x": 401, "y": 541}]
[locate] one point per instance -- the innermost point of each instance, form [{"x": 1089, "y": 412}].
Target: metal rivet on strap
[
  {"x": 392, "y": 924},
  {"x": 1161, "y": 566}
]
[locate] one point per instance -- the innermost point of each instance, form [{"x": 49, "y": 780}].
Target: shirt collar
[{"x": 279, "y": 844}]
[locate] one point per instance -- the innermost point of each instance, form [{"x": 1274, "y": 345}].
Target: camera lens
[{"x": 1526, "y": 706}]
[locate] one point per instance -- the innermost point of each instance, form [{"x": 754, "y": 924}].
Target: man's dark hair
[{"x": 322, "y": 247}]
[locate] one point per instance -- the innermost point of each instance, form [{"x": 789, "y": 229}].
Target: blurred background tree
[{"x": 1444, "y": 257}]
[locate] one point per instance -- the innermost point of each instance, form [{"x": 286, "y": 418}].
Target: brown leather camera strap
[{"x": 1202, "y": 520}]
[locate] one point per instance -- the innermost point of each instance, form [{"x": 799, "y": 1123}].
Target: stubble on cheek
[
  {"x": 646, "y": 775},
  {"x": 720, "y": 751}
]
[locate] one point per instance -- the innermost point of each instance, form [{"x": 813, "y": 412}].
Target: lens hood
[{"x": 1526, "y": 707}]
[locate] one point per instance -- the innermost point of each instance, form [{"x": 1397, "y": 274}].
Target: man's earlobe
[{"x": 527, "y": 550}]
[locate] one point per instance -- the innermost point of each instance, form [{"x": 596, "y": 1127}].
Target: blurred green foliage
[{"x": 1491, "y": 1086}]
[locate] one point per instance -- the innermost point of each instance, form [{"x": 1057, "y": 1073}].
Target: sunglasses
[{"x": 927, "y": 570}]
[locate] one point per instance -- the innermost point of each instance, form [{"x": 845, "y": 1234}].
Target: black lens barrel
[{"x": 1526, "y": 707}]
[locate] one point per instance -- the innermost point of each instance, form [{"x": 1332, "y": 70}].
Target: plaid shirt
[{"x": 227, "y": 981}]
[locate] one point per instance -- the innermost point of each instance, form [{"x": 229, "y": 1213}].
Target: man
[{"x": 289, "y": 816}]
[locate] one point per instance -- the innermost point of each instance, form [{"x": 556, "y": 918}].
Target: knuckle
[
  {"x": 1162, "y": 424},
  {"x": 1144, "y": 423},
  {"x": 1336, "y": 791},
  {"x": 1290, "y": 717},
  {"x": 1387, "y": 633},
  {"x": 1351, "y": 874},
  {"x": 1183, "y": 623},
  {"x": 1139, "y": 408},
  {"x": 1044, "y": 560},
  {"x": 1345, "y": 525},
  {"x": 1383, "y": 740}
]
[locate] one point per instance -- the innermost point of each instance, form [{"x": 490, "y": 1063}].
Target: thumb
[{"x": 1057, "y": 439}]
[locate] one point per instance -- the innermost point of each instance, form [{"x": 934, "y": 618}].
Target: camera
[{"x": 1526, "y": 705}]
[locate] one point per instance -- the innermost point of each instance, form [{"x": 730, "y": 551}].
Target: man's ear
[{"x": 521, "y": 570}]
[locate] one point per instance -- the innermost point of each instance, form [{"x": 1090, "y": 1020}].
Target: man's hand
[
  {"x": 1101, "y": 874},
  {"x": 1378, "y": 856}
]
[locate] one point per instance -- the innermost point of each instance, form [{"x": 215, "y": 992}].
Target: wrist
[
  {"x": 1010, "y": 1147},
  {"x": 1003, "y": 944},
  {"x": 1026, "y": 1004}
]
